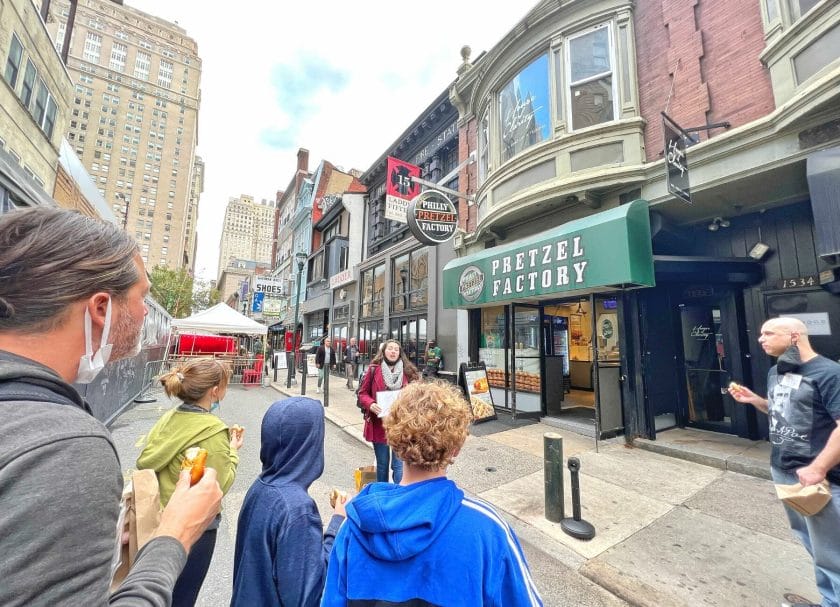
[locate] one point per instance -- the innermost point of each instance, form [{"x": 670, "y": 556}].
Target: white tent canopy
[{"x": 221, "y": 318}]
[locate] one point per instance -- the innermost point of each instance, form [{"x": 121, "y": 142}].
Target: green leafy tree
[
  {"x": 173, "y": 289},
  {"x": 204, "y": 295}
]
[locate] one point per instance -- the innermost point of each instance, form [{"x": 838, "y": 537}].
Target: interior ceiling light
[{"x": 717, "y": 223}]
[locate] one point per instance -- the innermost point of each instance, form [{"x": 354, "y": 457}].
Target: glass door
[
  {"x": 706, "y": 363},
  {"x": 526, "y": 358}
]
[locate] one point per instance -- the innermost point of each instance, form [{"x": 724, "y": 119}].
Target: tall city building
[
  {"x": 248, "y": 231},
  {"x": 192, "y": 211},
  {"x": 134, "y": 119}
]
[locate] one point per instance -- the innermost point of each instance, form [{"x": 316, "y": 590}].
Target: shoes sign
[{"x": 432, "y": 217}]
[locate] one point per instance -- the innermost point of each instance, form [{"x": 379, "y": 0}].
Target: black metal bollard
[
  {"x": 327, "y": 383},
  {"x": 553, "y": 474},
  {"x": 303, "y": 375},
  {"x": 290, "y": 362},
  {"x": 576, "y": 527}
]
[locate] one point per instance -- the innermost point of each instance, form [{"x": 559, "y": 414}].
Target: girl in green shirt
[{"x": 200, "y": 385}]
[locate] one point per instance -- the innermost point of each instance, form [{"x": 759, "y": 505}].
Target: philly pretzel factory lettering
[{"x": 539, "y": 267}]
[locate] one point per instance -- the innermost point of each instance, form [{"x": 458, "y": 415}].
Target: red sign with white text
[{"x": 400, "y": 188}]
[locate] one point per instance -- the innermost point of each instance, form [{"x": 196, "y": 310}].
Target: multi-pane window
[
  {"x": 13, "y": 61},
  {"x": 28, "y": 85},
  {"x": 142, "y": 62},
  {"x": 165, "y": 73},
  {"x": 590, "y": 70},
  {"x": 373, "y": 291},
  {"x": 59, "y": 35},
  {"x": 93, "y": 46},
  {"x": 118, "y": 54}
]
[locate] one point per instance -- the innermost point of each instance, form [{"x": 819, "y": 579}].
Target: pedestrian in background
[
  {"x": 72, "y": 292},
  {"x": 390, "y": 370},
  {"x": 351, "y": 362},
  {"x": 281, "y": 549},
  {"x": 200, "y": 385},
  {"x": 325, "y": 355},
  {"x": 433, "y": 359},
  {"x": 424, "y": 542},
  {"x": 803, "y": 405}
]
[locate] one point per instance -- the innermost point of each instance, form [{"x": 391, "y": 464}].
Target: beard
[{"x": 128, "y": 335}]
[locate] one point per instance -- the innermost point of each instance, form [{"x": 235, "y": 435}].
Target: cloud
[
  {"x": 299, "y": 89},
  {"x": 280, "y": 139}
]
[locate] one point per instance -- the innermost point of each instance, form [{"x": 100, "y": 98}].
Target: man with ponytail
[{"x": 72, "y": 295}]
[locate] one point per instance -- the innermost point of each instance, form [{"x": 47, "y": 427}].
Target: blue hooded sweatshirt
[
  {"x": 281, "y": 549},
  {"x": 426, "y": 544}
]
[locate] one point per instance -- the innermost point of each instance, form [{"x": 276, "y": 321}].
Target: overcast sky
[{"x": 341, "y": 83}]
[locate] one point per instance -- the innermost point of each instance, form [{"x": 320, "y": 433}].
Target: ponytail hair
[{"x": 191, "y": 381}]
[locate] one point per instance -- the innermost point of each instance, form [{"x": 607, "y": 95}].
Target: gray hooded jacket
[{"x": 60, "y": 487}]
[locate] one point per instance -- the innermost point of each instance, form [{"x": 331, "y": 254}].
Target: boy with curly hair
[{"x": 423, "y": 542}]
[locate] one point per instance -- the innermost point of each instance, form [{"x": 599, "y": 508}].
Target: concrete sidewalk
[{"x": 688, "y": 519}]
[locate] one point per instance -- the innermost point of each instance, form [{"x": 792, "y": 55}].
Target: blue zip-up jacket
[
  {"x": 426, "y": 544},
  {"x": 281, "y": 549}
]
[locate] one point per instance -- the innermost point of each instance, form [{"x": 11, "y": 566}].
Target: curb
[{"x": 731, "y": 463}]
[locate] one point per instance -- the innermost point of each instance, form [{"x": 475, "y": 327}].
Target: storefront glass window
[
  {"x": 373, "y": 291},
  {"x": 524, "y": 109},
  {"x": 591, "y": 98},
  {"x": 367, "y": 292},
  {"x": 419, "y": 278},
  {"x": 399, "y": 284},
  {"x": 378, "y": 303},
  {"x": 491, "y": 346}
]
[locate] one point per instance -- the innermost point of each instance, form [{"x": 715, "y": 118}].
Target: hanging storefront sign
[
  {"x": 273, "y": 308},
  {"x": 676, "y": 161},
  {"x": 400, "y": 188},
  {"x": 432, "y": 217},
  {"x": 272, "y": 287},
  {"x": 607, "y": 249},
  {"x": 257, "y": 302}
]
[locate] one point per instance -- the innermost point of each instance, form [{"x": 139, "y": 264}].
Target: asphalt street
[{"x": 482, "y": 465}]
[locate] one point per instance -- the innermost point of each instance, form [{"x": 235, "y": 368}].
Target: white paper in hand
[{"x": 385, "y": 399}]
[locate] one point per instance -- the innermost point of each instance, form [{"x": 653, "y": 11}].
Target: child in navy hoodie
[
  {"x": 424, "y": 542},
  {"x": 281, "y": 548}
]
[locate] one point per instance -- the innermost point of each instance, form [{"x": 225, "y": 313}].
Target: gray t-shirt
[{"x": 803, "y": 407}]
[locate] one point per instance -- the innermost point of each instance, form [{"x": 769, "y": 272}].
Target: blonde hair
[
  {"x": 428, "y": 424},
  {"x": 191, "y": 381}
]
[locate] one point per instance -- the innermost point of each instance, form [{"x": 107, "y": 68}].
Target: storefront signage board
[
  {"x": 400, "y": 188},
  {"x": 432, "y": 217},
  {"x": 676, "y": 161},
  {"x": 607, "y": 249},
  {"x": 473, "y": 378},
  {"x": 343, "y": 277}
]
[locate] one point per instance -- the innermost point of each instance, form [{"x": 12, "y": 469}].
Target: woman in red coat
[{"x": 390, "y": 370}]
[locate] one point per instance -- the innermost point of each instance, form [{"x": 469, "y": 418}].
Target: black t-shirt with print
[{"x": 803, "y": 409}]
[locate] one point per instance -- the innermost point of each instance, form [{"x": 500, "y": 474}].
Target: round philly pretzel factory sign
[{"x": 432, "y": 217}]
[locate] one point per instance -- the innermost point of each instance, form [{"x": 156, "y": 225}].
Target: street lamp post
[{"x": 300, "y": 256}]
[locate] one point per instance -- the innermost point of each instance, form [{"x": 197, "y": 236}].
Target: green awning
[{"x": 610, "y": 249}]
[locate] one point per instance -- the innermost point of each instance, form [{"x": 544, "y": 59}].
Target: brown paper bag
[
  {"x": 805, "y": 500},
  {"x": 363, "y": 476},
  {"x": 139, "y": 517}
]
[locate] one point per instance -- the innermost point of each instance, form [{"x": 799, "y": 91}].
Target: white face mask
[{"x": 91, "y": 364}]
